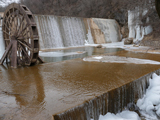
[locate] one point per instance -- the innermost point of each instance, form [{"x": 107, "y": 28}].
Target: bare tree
[{"x": 113, "y": 9}]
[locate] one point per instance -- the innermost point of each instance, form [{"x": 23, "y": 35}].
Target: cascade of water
[
  {"x": 56, "y": 31},
  {"x": 39, "y": 32},
  {"x": 148, "y": 29},
  {"x": 60, "y": 31},
  {"x": 113, "y": 101},
  {"x": 136, "y": 30},
  {"x": 49, "y": 32},
  {"x": 89, "y": 34},
  {"x": 131, "y": 17},
  {"x": 73, "y": 31},
  {"x": 110, "y": 29}
]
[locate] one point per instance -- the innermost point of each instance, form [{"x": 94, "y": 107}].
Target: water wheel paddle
[{"x": 20, "y": 35}]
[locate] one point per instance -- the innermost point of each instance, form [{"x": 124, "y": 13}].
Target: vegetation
[{"x": 112, "y": 9}]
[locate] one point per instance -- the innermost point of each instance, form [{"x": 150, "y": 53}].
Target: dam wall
[{"x": 58, "y": 31}]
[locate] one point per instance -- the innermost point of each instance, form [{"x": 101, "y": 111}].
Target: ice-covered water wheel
[{"x": 20, "y": 35}]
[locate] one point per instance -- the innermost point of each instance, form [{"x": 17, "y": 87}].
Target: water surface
[
  {"x": 40, "y": 91},
  {"x": 73, "y": 53}
]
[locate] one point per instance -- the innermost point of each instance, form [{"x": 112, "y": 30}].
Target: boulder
[
  {"x": 124, "y": 31},
  {"x": 99, "y": 46},
  {"x": 128, "y": 41}
]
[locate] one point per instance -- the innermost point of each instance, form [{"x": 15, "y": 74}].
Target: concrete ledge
[{"x": 112, "y": 101}]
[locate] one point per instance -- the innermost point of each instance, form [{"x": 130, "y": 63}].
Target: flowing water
[
  {"x": 110, "y": 28},
  {"x": 58, "y": 32},
  {"x": 63, "y": 31},
  {"x": 73, "y": 89}
]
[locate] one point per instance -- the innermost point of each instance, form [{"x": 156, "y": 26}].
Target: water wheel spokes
[{"x": 20, "y": 35}]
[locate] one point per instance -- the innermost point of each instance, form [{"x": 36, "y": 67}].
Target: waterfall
[
  {"x": 113, "y": 101},
  {"x": 56, "y": 31},
  {"x": 110, "y": 29},
  {"x": 49, "y": 32},
  {"x": 136, "y": 30},
  {"x": 89, "y": 34},
  {"x": 73, "y": 31},
  {"x": 131, "y": 18}
]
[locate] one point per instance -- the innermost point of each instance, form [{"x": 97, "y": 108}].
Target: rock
[
  {"x": 99, "y": 46},
  {"x": 136, "y": 45},
  {"x": 128, "y": 41},
  {"x": 136, "y": 42},
  {"x": 124, "y": 31},
  {"x": 132, "y": 107}
]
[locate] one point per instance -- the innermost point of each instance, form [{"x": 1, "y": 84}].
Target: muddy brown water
[{"x": 41, "y": 91}]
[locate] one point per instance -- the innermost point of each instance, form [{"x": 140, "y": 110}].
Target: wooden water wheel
[{"x": 20, "y": 35}]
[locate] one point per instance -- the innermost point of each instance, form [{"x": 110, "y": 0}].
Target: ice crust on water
[
  {"x": 98, "y": 57},
  {"x": 149, "y": 105},
  {"x": 59, "y": 54}
]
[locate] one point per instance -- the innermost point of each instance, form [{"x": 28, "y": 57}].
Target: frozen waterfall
[{"x": 136, "y": 31}]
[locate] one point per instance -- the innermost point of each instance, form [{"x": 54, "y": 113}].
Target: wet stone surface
[{"x": 40, "y": 91}]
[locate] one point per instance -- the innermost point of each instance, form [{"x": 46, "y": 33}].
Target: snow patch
[
  {"x": 98, "y": 58},
  {"x": 150, "y": 103},
  {"x": 124, "y": 115},
  {"x": 59, "y": 54}
]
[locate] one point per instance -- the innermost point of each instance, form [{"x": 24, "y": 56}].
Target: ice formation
[{"x": 149, "y": 105}]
